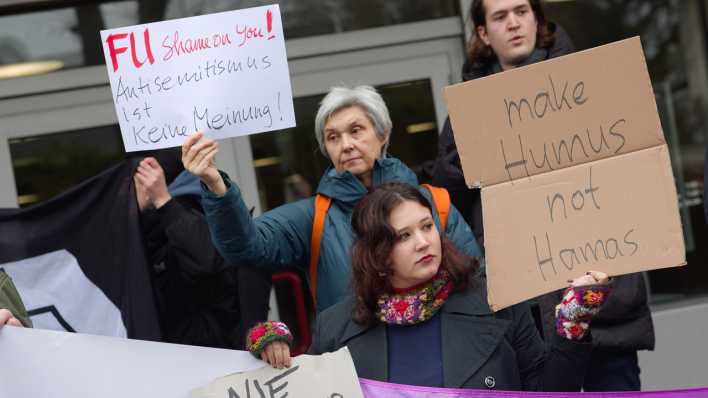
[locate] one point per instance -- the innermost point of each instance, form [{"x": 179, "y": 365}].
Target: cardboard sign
[
  {"x": 225, "y": 74},
  {"x": 330, "y": 375},
  {"x": 574, "y": 170}
]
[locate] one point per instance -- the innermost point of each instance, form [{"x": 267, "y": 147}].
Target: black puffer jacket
[
  {"x": 197, "y": 294},
  {"x": 625, "y": 321}
]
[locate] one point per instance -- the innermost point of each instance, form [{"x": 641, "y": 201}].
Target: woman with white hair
[{"x": 352, "y": 128}]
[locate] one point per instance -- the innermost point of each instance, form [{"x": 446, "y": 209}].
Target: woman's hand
[
  {"x": 198, "y": 158},
  {"x": 581, "y": 302},
  {"x": 270, "y": 341},
  {"x": 6, "y": 318},
  {"x": 590, "y": 278},
  {"x": 277, "y": 354}
]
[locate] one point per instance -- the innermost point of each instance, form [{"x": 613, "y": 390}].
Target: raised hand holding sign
[{"x": 224, "y": 74}]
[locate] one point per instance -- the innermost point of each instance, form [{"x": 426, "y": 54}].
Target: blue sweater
[{"x": 414, "y": 354}]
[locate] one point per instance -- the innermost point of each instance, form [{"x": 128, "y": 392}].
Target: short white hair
[{"x": 365, "y": 97}]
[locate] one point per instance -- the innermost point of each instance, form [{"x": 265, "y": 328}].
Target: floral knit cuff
[
  {"x": 577, "y": 308},
  {"x": 264, "y": 333}
]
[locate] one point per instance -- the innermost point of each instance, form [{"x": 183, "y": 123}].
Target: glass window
[
  {"x": 289, "y": 163},
  {"x": 46, "y": 165},
  {"x": 315, "y": 17},
  {"x": 673, "y": 35},
  {"x": 41, "y": 36},
  {"x": 64, "y": 37},
  {"x": 68, "y": 37}
]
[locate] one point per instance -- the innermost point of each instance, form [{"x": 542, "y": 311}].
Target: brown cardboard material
[
  {"x": 595, "y": 154},
  {"x": 617, "y": 102},
  {"x": 617, "y": 215}
]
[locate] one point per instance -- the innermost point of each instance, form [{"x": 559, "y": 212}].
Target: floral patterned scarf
[{"x": 415, "y": 304}]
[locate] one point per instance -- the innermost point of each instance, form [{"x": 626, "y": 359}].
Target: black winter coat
[
  {"x": 196, "y": 291},
  {"x": 478, "y": 346}
]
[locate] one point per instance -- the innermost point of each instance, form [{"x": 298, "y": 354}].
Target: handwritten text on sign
[
  {"x": 225, "y": 74},
  {"x": 330, "y": 375},
  {"x": 608, "y": 215},
  {"x": 574, "y": 171}
]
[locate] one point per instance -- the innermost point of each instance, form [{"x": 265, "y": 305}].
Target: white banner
[
  {"x": 225, "y": 74},
  {"x": 43, "y": 363},
  {"x": 59, "y": 296}
]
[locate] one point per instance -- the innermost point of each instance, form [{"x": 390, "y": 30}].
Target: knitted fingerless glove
[
  {"x": 577, "y": 308},
  {"x": 265, "y": 333}
]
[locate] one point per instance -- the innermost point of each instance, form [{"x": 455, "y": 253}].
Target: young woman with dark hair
[
  {"x": 419, "y": 314},
  {"x": 377, "y": 239}
]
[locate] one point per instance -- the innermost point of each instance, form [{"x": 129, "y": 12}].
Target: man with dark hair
[{"x": 509, "y": 34}]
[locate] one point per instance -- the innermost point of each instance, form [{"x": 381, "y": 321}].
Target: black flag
[{"x": 79, "y": 262}]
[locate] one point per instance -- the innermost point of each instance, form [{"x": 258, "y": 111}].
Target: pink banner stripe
[{"x": 379, "y": 389}]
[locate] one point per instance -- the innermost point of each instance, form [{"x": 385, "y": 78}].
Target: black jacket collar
[{"x": 562, "y": 45}]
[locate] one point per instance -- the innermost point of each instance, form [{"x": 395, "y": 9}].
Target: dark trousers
[
  {"x": 254, "y": 297},
  {"x": 612, "y": 370}
]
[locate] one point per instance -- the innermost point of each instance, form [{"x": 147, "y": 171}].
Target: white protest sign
[
  {"x": 225, "y": 74},
  {"x": 330, "y": 375},
  {"x": 44, "y": 363}
]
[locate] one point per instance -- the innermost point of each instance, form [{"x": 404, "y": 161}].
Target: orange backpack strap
[
  {"x": 442, "y": 203},
  {"x": 322, "y": 204}
]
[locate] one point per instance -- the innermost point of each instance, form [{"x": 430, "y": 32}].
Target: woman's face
[
  {"x": 416, "y": 255},
  {"x": 352, "y": 143}
]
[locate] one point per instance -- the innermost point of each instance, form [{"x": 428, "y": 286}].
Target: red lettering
[
  {"x": 248, "y": 33},
  {"x": 269, "y": 23},
  {"x": 201, "y": 44},
  {"x": 170, "y": 47},
  {"x": 113, "y": 50},
  {"x": 148, "y": 47},
  {"x": 148, "y": 50},
  {"x": 220, "y": 39},
  {"x": 189, "y": 45}
]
